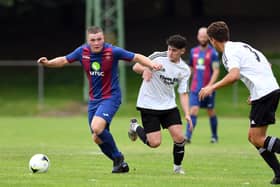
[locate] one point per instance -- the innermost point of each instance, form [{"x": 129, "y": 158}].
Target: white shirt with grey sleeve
[
  {"x": 158, "y": 93},
  {"x": 255, "y": 70}
]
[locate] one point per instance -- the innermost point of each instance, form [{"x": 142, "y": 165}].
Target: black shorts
[
  {"x": 263, "y": 110},
  {"x": 153, "y": 119}
]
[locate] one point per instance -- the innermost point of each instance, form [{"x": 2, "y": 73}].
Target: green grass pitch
[{"x": 76, "y": 161}]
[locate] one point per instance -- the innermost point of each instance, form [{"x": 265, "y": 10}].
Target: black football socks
[
  {"x": 272, "y": 144},
  {"x": 271, "y": 159},
  {"x": 178, "y": 152}
]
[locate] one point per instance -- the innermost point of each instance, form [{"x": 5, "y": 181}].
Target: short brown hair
[
  {"x": 94, "y": 30},
  {"x": 219, "y": 31}
]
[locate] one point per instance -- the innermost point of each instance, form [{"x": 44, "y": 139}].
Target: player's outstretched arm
[
  {"x": 232, "y": 76},
  {"x": 145, "y": 61},
  {"x": 143, "y": 70},
  {"x": 53, "y": 63},
  {"x": 138, "y": 68}
]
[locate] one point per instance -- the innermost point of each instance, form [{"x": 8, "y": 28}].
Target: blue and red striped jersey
[
  {"x": 201, "y": 62},
  {"x": 101, "y": 69}
]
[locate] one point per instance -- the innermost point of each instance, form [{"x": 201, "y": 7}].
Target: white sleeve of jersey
[
  {"x": 183, "y": 82},
  {"x": 157, "y": 54},
  {"x": 232, "y": 59}
]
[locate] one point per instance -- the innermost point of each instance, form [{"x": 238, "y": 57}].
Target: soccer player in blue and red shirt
[
  {"x": 204, "y": 62},
  {"x": 100, "y": 63}
]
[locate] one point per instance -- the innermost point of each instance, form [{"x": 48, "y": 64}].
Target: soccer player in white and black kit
[
  {"x": 156, "y": 100},
  {"x": 248, "y": 64}
]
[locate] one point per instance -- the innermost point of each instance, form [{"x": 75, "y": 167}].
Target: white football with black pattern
[{"x": 39, "y": 163}]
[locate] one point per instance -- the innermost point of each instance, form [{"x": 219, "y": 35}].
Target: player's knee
[
  {"x": 249, "y": 136},
  {"x": 180, "y": 138},
  {"x": 96, "y": 130},
  {"x": 194, "y": 111},
  {"x": 154, "y": 143},
  {"x": 211, "y": 112},
  {"x": 96, "y": 139},
  {"x": 256, "y": 141}
]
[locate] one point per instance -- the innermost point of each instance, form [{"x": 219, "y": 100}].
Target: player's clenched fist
[
  {"x": 42, "y": 60},
  {"x": 156, "y": 66}
]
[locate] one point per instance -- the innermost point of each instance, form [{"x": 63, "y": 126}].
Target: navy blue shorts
[
  {"x": 105, "y": 108},
  {"x": 207, "y": 102}
]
